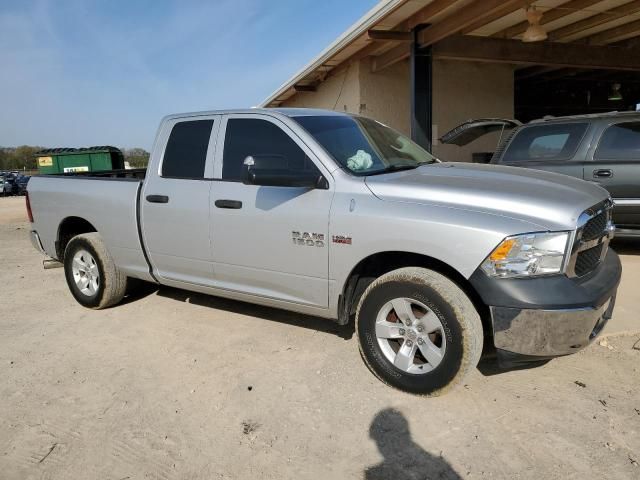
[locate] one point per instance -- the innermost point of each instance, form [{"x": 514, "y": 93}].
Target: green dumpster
[{"x": 70, "y": 160}]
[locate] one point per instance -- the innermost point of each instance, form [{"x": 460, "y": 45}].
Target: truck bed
[{"x": 108, "y": 200}]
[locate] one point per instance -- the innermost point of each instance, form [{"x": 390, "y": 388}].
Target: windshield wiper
[{"x": 395, "y": 168}]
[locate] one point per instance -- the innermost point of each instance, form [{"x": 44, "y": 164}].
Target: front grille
[
  {"x": 596, "y": 226},
  {"x": 588, "y": 259},
  {"x": 592, "y": 240}
]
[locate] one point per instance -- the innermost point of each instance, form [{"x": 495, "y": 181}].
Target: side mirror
[{"x": 252, "y": 174}]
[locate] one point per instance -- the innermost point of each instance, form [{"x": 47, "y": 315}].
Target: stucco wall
[
  {"x": 461, "y": 91},
  {"x": 386, "y": 95},
  {"x": 329, "y": 94},
  {"x": 467, "y": 90}
]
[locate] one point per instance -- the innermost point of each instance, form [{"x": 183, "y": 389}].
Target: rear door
[
  {"x": 616, "y": 166},
  {"x": 175, "y": 201},
  {"x": 269, "y": 241},
  {"x": 554, "y": 147}
]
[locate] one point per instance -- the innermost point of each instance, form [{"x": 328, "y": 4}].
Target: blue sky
[{"x": 89, "y": 72}]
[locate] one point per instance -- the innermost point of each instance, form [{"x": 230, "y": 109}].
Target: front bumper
[
  {"x": 536, "y": 335},
  {"x": 535, "y": 319}
]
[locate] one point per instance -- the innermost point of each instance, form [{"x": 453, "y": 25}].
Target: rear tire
[
  {"x": 418, "y": 331},
  {"x": 92, "y": 276}
]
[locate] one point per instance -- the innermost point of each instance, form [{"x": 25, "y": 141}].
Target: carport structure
[{"x": 425, "y": 66}]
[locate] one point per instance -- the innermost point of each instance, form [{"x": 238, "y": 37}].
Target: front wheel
[
  {"x": 418, "y": 331},
  {"x": 92, "y": 276}
]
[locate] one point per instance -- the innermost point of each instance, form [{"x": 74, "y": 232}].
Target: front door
[
  {"x": 175, "y": 201},
  {"x": 269, "y": 241}
]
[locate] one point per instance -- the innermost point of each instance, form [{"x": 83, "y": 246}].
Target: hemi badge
[{"x": 341, "y": 239}]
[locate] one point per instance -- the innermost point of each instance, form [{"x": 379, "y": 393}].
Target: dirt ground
[{"x": 175, "y": 385}]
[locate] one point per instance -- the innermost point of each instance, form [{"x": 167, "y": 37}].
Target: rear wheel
[
  {"x": 418, "y": 331},
  {"x": 92, "y": 276}
]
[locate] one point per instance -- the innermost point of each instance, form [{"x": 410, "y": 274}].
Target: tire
[
  {"x": 441, "y": 327},
  {"x": 102, "y": 284}
]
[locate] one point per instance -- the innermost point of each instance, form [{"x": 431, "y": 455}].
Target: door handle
[
  {"x": 232, "y": 204},
  {"x": 157, "y": 199},
  {"x": 602, "y": 173}
]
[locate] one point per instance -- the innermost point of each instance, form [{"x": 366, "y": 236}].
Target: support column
[{"x": 421, "y": 92}]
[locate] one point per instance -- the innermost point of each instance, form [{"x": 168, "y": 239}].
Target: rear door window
[
  {"x": 545, "y": 143},
  {"x": 186, "y": 152},
  {"x": 266, "y": 142},
  {"x": 620, "y": 142}
]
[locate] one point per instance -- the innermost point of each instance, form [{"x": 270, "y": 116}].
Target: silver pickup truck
[{"x": 339, "y": 216}]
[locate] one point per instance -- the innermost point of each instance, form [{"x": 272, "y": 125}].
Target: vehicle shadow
[
  {"x": 403, "y": 458},
  {"x": 489, "y": 366},
  {"x": 626, "y": 246},
  {"x": 137, "y": 290},
  {"x": 265, "y": 313}
]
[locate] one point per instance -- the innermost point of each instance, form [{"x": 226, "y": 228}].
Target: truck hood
[{"x": 548, "y": 200}]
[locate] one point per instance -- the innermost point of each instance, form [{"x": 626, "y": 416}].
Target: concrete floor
[
  {"x": 172, "y": 384},
  {"x": 627, "y": 309}
]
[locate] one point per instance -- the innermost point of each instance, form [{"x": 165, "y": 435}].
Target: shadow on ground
[
  {"x": 137, "y": 290},
  {"x": 265, "y": 313},
  {"x": 403, "y": 458},
  {"x": 626, "y": 246}
]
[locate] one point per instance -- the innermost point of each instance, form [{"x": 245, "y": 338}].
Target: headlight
[{"x": 528, "y": 255}]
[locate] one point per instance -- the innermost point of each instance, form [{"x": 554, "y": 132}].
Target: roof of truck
[
  {"x": 289, "y": 112},
  {"x": 307, "y": 112}
]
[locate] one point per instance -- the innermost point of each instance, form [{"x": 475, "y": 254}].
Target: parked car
[
  {"x": 602, "y": 148},
  {"x": 339, "y": 216},
  {"x": 2, "y": 185},
  {"x": 8, "y": 184},
  {"x": 21, "y": 184},
  {"x": 13, "y": 179}
]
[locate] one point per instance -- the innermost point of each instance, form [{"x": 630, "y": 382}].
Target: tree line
[{"x": 23, "y": 157}]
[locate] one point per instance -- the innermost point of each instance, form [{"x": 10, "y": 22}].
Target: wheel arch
[
  {"x": 69, "y": 228},
  {"x": 377, "y": 264}
]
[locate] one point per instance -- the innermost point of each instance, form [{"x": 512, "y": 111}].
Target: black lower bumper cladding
[{"x": 536, "y": 319}]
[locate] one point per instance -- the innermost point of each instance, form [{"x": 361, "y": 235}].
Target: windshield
[{"x": 363, "y": 146}]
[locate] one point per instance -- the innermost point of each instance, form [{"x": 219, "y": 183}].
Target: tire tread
[
  {"x": 113, "y": 280},
  {"x": 465, "y": 312}
]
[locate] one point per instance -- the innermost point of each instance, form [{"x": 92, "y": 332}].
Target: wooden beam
[
  {"x": 488, "y": 9},
  {"x": 401, "y": 52},
  {"x": 564, "y": 55},
  {"x": 595, "y": 20},
  {"x": 503, "y": 12},
  {"x": 394, "y": 35},
  {"x": 304, "y": 88},
  {"x": 616, "y": 34},
  {"x": 629, "y": 43},
  {"x": 534, "y": 72},
  {"x": 390, "y": 57},
  {"x": 461, "y": 19},
  {"x": 434, "y": 8},
  {"x": 549, "y": 16},
  {"x": 611, "y": 77},
  {"x": 559, "y": 73}
]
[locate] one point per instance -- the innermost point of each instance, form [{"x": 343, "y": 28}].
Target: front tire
[
  {"x": 92, "y": 276},
  {"x": 418, "y": 331}
]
